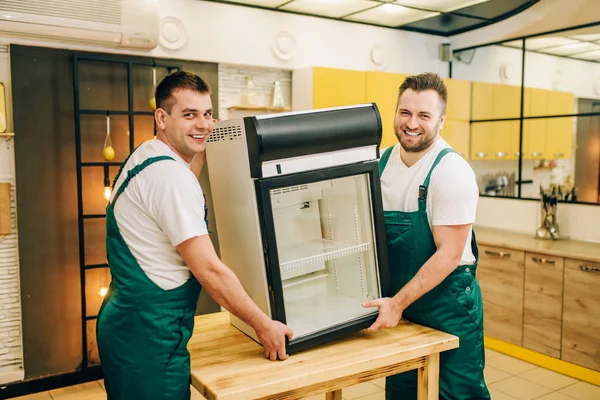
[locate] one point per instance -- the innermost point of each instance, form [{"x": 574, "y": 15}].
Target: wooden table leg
[
  {"x": 428, "y": 381},
  {"x": 335, "y": 395}
]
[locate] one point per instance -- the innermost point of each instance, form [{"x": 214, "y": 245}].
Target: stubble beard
[{"x": 427, "y": 140}]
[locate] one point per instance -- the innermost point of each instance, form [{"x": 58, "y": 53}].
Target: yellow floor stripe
[{"x": 551, "y": 363}]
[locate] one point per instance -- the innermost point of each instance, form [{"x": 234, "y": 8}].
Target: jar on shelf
[{"x": 249, "y": 94}]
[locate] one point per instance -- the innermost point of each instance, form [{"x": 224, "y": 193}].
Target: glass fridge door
[{"x": 326, "y": 258}]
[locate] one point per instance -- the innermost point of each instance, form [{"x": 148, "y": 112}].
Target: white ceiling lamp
[
  {"x": 391, "y": 15},
  {"x": 574, "y": 48},
  {"x": 439, "y": 5},
  {"x": 328, "y": 8},
  {"x": 588, "y": 38},
  {"x": 262, "y": 3},
  {"x": 541, "y": 43},
  {"x": 592, "y": 55}
]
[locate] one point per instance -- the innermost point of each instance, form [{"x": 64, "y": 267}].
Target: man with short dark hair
[
  {"x": 160, "y": 255},
  {"x": 430, "y": 198}
]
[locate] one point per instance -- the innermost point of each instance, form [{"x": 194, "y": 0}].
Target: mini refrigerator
[{"x": 299, "y": 218}]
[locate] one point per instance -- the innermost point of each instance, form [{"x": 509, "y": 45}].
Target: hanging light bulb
[
  {"x": 107, "y": 189},
  {"x": 102, "y": 292},
  {"x": 152, "y": 102}
]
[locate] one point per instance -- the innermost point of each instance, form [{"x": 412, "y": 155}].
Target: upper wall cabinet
[
  {"x": 458, "y": 113},
  {"x": 495, "y": 101},
  {"x": 382, "y": 89},
  {"x": 317, "y": 87}
]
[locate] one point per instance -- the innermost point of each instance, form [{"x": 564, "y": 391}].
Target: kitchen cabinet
[
  {"x": 382, "y": 88},
  {"x": 482, "y": 105},
  {"x": 456, "y": 133},
  {"x": 501, "y": 276},
  {"x": 506, "y": 101},
  {"x": 498, "y": 140},
  {"x": 581, "y": 313},
  {"x": 456, "y": 129},
  {"x": 543, "y": 303},
  {"x": 318, "y": 87},
  {"x": 547, "y": 138},
  {"x": 459, "y": 100}
]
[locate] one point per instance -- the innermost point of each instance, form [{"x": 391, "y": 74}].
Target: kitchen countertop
[{"x": 521, "y": 241}]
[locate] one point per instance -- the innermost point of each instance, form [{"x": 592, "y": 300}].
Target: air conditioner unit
[{"x": 114, "y": 23}]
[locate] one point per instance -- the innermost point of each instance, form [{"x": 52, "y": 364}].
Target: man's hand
[
  {"x": 272, "y": 337},
  {"x": 390, "y": 313}
]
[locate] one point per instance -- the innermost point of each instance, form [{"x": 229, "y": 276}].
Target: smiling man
[
  {"x": 160, "y": 255},
  {"x": 430, "y": 198}
]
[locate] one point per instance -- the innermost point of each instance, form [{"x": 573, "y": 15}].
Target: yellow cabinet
[
  {"x": 536, "y": 102},
  {"x": 482, "y": 140},
  {"x": 561, "y": 103},
  {"x": 506, "y": 101},
  {"x": 459, "y": 100},
  {"x": 338, "y": 87},
  {"x": 559, "y": 137},
  {"x": 456, "y": 133},
  {"x": 534, "y": 139},
  {"x": 498, "y": 140},
  {"x": 382, "y": 88},
  {"x": 482, "y": 101},
  {"x": 317, "y": 87}
]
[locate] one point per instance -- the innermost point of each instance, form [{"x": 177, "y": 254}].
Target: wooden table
[{"x": 226, "y": 364}]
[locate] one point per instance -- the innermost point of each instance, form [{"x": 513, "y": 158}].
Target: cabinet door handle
[
  {"x": 481, "y": 154},
  {"x": 543, "y": 260},
  {"x": 497, "y": 253},
  {"x": 559, "y": 154},
  {"x": 517, "y": 153},
  {"x": 501, "y": 154},
  {"x": 536, "y": 153},
  {"x": 587, "y": 268}
]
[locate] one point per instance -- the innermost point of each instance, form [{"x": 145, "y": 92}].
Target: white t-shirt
[
  {"x": 452, "y": 195},
  {"x": 162, "y": 207}
]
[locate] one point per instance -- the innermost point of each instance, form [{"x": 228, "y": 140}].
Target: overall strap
[
  {"x": 136, "y": 170},
  {"x": 384, "y": 159},
  {"x": 425, "y": 186}
]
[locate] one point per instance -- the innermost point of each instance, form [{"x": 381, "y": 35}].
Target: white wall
[
  {"x": 486, "y": 64},
  {"x": 576, "y": 221},
  {"x": 241, "y": 35}
]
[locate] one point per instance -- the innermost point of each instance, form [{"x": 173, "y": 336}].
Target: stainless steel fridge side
[{"x": 236, "y": 213}]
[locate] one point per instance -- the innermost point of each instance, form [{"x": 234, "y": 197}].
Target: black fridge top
[{"x": 302, "y": 133}]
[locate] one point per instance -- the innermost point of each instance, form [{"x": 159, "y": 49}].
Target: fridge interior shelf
[{"x": 317, "y": 251}]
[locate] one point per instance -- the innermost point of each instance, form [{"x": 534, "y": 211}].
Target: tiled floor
[{"x": 507, "y": 379}]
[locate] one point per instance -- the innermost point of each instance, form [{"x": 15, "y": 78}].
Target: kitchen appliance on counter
[{"x": 299, "y": 216}]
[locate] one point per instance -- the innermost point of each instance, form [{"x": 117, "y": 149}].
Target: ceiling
[
  {"x": 575, "y": 45},
  {"x": 437, "y": 17}
]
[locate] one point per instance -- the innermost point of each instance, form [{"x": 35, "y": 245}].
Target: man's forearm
[
  {"x": 226, "y": 289},
  {"x": 433, "y": 272}
]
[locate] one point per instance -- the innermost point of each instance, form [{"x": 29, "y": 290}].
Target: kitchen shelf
[
  {"x": 317, "y": 251},
  {"x": 7, "y": 134},
  {"x": 259, "y": 108}
]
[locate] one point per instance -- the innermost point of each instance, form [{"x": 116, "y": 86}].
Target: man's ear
[
  {"x": 442, "y": 120},
  {"x": 160, "y": 116}
]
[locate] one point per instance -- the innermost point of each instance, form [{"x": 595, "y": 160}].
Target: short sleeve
[
  {"x": 453, "y": 192},
  {"x": 175, "y": 201}
]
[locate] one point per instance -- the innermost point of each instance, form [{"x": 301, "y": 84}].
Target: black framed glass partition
[{"x": 535, "y": 114}]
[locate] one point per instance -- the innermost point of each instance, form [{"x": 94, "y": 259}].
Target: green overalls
[
  {"x": 454, "y": 306},
  {"x": 143, "y": 330}
]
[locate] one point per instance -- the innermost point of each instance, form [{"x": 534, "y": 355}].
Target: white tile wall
[
  {"x": 232, "y": 81},
  {"x": 11, "y": 349}
]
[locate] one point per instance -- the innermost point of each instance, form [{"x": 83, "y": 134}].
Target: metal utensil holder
[{"x": 549, "y": 224}]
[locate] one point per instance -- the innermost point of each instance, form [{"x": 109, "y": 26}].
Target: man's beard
[{"x": 427, "y": 140}]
